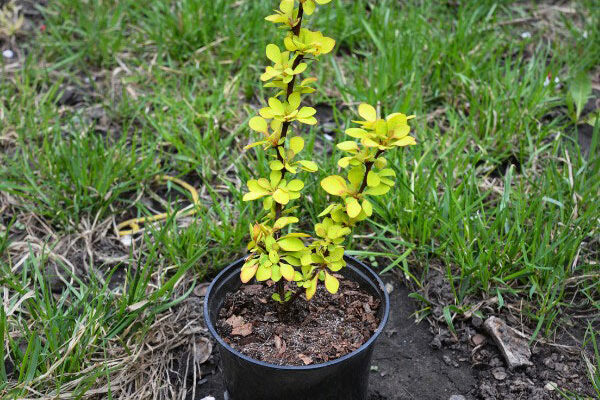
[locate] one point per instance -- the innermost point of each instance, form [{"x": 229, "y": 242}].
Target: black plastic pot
[{"x": 345, "y": 378}]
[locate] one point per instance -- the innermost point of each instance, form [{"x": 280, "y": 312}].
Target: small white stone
[
  {"x": 556, "y": 80},
  {"x": 8, "y": 53},
  {"x": 126, "y": 240},
  {"x": 389, "y": 287},
  {"x": 551, "y": 386},
  {"x": 546, "y": 81},
  {"x": 526, "y": 35},
  {"x": 585, "y": 34},
  {"x": 208, "y": 398}
]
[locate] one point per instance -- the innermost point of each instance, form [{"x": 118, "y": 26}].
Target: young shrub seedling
[{"x": 298, "y": 257}]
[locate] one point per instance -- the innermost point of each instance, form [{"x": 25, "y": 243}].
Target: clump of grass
[{"x": 498, "y": 196}]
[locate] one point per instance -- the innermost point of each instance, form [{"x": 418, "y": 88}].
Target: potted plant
[{"x": 306, "y": 328}]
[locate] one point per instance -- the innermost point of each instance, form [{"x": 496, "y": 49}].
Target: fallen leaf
[
  {"x": 280, "y": 345},
  {"x": 202, "y": 350},
  {"x": 305, "y": 359},
  {"x": 277, "y": 342},
  {"x": 238, "y": 326},
  {"x": 234, "y": 321},
  {"x": 137, "y": 306},
  {"x": 242, "y": 330},
  {"x": 201, "y": 289}
]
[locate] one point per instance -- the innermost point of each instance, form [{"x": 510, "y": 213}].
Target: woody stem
[
  {"x": 289, "y": 90},
  {"x": 368, "y": 167},
  {"x": 284, "y": 130}
]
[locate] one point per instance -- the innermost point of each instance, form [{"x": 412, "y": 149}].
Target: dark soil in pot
[{"x": 316, "y": 331}]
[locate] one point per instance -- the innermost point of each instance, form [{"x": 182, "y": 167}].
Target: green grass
[{"x": 498, "y": 194}]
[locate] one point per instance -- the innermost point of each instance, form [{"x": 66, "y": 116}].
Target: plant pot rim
[{"x": 363, "y": 269}]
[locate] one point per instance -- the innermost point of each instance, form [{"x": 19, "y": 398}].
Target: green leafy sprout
[{"x": 299, "y": 257}]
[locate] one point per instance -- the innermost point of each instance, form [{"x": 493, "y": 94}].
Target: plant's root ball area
[{"x": 311, "y": 332}]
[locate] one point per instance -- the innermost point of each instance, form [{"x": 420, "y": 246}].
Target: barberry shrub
[{"x": 294, "y": 256}]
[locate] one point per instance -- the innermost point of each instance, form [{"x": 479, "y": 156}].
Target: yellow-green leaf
[
  {"x": 248, "y": 273},
  {"x": 309, "y": 7},
  {"x": 336, "y": 254},
  {"x": 367, "y": 112},
  {"x": 369, "y": 142},
  {"x": 283, "y": 221},
  {"x": 311, "y": 290},
  {"x": 276, "y": 105},
  {"x": 356, "y": 133},
  {"x": 405, "y": 141},
  {"x": 306, "y": 259},
  {"x": 296, "y": 144},
  {"x": 327, "y": 210},
  {"x": 291, "y": 244},
  {"x": 353, "y": 208},
  {"x": 251, "y": 145},
  {"x": 300, "y": 68},
  {"x": 294, "y": 100},
  {"x": 378, "y": 190},
  {"x": 295, "y": 185},
  {"x": 263, "y": 273},
  {"x": 254, "y": 186},
  {"x": 387, "y": 172},
  {"x": 349, "y": 145},
  {"x": 276, "y": 165},
  {"x": 367, "y": 207},
  {"x": 273, "y": 53},
  {"x": 281, "y": 196},
  {"x": 344, "y": 162},
  {"x": 307, "y": 121},
  {"x": 381, "y": 128},
  {"x": 309, "y": 166},
  {"x": 286, "y": 6},
  {"x": 264, "y": 183},
  {"x": 258, "y": 124},
  {"x": 287, "y": 271},
  {"x": 275, "y": 178},
  {"x": 335, "y": 185},
  {"x": 331, "y": 283},
  {"x": 275, "y": 273},
  {"x": 306, "y": 112},
  {"x": 381, "y": 162},
  {"x": 356, "y": 176},
  {"x": 373, "y": 179},
  {"x": 253, "y": 196}
]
